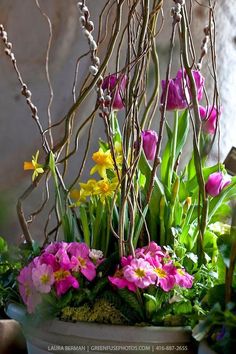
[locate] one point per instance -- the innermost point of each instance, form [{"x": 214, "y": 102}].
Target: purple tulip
[
  {"x": 115, "y": 86},
  {"x": 179, "y": 95},
  {"x": 209, "y": 118},
  {"x": 216, "y": 182},
  {"x": 149, "y": 141}
]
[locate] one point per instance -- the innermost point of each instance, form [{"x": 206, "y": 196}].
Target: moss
[
  {"x": 101, "y": 312},
  {"x": 80, "y": 313}
]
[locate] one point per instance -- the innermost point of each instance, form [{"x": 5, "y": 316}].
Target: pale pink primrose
[
  {"x": 29, "y": 295},
  {"x": 43, "y": 278}
]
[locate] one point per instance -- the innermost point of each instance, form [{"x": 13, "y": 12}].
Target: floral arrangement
[{"x": 136, "y": 242}]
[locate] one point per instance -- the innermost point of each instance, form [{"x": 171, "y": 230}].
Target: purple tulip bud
[
  {"x": 179, "y": 95},
  {"x": 149, "y": 141},
  {"x": 209, "y": 118},
  {"x": 115, "y": 85},
  {"x": 216, "y": 182}
]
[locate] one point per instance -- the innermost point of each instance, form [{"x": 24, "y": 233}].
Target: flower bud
[
  {"x": 149, "y": 141},
  {"x": 115, "y": 86},
  {"x": 179, "y": 94},
  {"x": 209, "y": 118},
  {"x": 216, "y": 182}
]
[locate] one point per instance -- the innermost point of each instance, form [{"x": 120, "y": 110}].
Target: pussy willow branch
[
  {"x": 129, "y": 20},
  {"x": 27, "y": 94},
  {"x": 47, "y": 71},
  {"x": 128, "y": 131},
  {"x": 163, "y": 113},
  {"x": 85, "y": 153},
  {"x": 216, "y": 98},
  {"x": 203, "y": 211},
  {"x": 95, "y": 80},
  {"x": 20, "y": 211},
  {"x": 153, "y": 101},
  {"x": 100, "y": 39}
]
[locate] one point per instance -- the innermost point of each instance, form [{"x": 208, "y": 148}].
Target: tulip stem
[{"x": 173, "y": 148}]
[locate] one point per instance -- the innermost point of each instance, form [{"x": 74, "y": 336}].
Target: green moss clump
[
  {"x": 80, "y": 313},
  {"x": 101, "y": 312}
]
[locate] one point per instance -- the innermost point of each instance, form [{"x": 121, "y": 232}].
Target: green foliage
[
  {"x": 68, "y": 224},
  {"x": 183, "y": 307},
  {"x": 127, "y": 311},
  {"x": 182, "y": 134},
  {"x": 154, "y": 204},
  {"x": 131, "y": 299},
  {"x": 12, "y": 259}
]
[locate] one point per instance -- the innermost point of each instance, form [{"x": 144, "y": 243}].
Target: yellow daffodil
[
  {"x": 105, "y": 188},
  {"x": 104, "y": 162},
  {"x": 78, "y": 197},
  {"x": 34, "y": 165},
  {"x": 118, "y": 153},
  {"x": 86, "y": 190}
]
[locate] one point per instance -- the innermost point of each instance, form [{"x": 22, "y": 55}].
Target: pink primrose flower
[
  {"x": 29, "y": 295},
  {"x": 64, "y": 281},
  {"x": 43, "y": 278},
  {"x": 183, "y": 279},
  {"x": 49, "y": 259},
  {"x": 55, "y": 246},
  {"x": 179, "y": 95},
  {"x": 209, "y": 118},
  {"x": 119, "y": 281},
  {"x": 63, "y": 259},
  {"x": 140, "y": 273},
  {"x": 81, "y": 247},
  {"x": 126, "y": 260},
  {"x": 149, "y": 142},
  {"x": 216, "y": 182},
  {"x": 151, "y": 250},
  {"x": 80, "y": 260},
  {"x": 165, "y": 274},
  {"x": 115, "y": 85}
]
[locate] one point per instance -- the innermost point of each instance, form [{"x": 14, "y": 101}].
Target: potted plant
[{"x": 134, "y": 245}]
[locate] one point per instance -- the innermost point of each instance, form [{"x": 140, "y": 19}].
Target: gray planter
[{"x": 65, "y": 337}]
